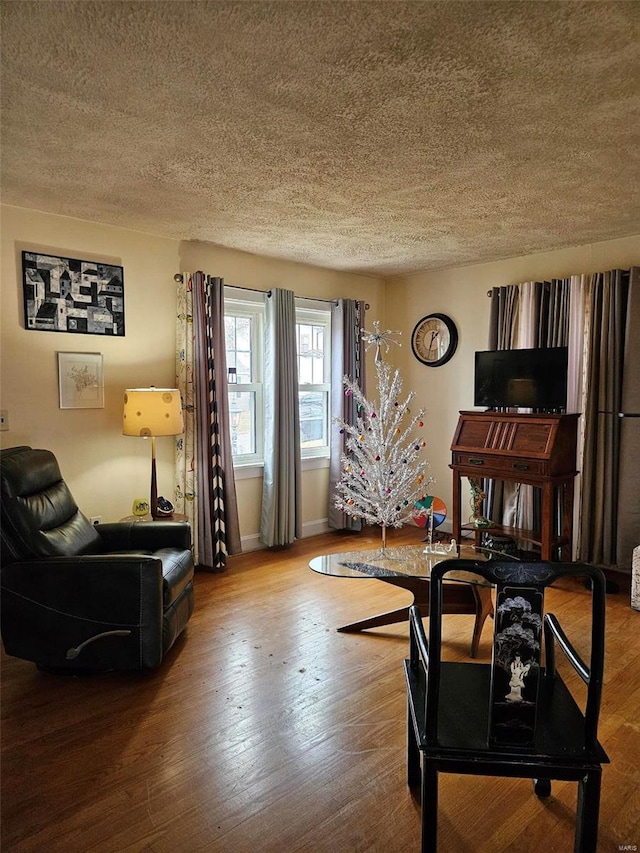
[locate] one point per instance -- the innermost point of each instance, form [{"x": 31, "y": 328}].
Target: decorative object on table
[
  {"x": 434, "y": 339},
  {"x": 383, "y": 473},
  {"x": 150, "y": 412},
  {"x": 165, "y": 508},
  {"x": 499, "y": 545},
  {"x": 441, "y": 547},
  {"x": 69, "y": 295},
  {"x": 478, "y": 496},
  {"x": 140, "y": 506},
  {"x": 436, "y": 512},
  {"x": 429, "y": 512},
  {"x": 80, "y": 380}
]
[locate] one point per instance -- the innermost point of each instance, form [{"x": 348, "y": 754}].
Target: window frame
[
  {"x": 251, "y": 306},
  {"x": 317, "y": 313}
]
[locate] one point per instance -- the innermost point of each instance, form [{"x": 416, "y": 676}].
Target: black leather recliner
[{"x": 80, "y": 597}]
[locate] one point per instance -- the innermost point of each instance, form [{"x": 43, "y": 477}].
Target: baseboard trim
[
  {"x": 309, "y": 528},
  {"x": 252, "y": 541}
]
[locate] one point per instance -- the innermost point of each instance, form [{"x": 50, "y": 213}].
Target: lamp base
[{"x": 160, "y": 507}]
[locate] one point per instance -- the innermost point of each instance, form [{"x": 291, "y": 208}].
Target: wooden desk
[{"x": 538, "y": 450}]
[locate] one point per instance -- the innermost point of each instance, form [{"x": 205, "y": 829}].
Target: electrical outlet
[
  {"x": 95, "y": 520},
  {"x": 4, "y": 419}
]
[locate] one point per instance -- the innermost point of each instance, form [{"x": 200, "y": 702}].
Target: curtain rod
[{"x": 180, "y": 278}]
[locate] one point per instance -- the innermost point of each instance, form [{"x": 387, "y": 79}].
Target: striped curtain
[
  {"x": 503, "y": 496},
  {"x": 587, "y": 314},
  {"x": 527, "y": 315},
  {"x": 205, "y": 487}
]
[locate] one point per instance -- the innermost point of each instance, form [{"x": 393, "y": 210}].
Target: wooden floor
[{"x": 266, "y": 730}]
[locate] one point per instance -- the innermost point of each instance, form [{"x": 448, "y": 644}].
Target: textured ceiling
[{"x": 379, "y": 137}]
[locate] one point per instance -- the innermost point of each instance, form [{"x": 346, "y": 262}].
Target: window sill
[
  {"x": 313, "y": 462},
  {"x": 253, "y": 472},
  {"x": 248, "y": 472}
]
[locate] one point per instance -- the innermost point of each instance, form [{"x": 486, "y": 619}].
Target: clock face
[{"x": 434, "y": 339}]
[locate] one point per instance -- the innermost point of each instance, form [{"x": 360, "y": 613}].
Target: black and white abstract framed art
[{"x": 71, "y": 295}]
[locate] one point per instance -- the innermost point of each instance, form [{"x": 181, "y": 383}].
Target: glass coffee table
[{"x": 409, "y": 567}]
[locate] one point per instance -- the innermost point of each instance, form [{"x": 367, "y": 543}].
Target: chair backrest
[
  {"x": 517, "y": 667},
  {"x": 39, "y": 517}
]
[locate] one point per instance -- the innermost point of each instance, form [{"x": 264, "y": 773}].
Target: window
[
  {"x": 243, "y": 328},
  {"x": 313, "y": 334},
  {"x": 244, "y": 341}
]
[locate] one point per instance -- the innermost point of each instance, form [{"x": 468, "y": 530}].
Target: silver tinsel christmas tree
[{"x": 383, "y": 474}]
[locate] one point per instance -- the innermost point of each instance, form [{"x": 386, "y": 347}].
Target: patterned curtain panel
[
  {"x": 204, "y": 464},
  {"x": 347, "y": 359},
  {"x": 281, "y": 517},
  {"x": 185, "y": 490}
]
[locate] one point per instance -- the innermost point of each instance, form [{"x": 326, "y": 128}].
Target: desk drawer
[{"x": 482, "y": 462}]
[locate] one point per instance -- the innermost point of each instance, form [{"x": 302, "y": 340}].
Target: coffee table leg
[
  {"x": 390, "y": 618},
  {"x": 456, "y": 599},
  {"x": 484, "y": 608}
]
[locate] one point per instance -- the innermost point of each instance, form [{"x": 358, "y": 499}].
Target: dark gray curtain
[
  {"x": 553, "y": 317},
  {"x": 281, "y": 517},
  {"x": 347, "y": 359},
  {"x": 607, "y": 312},
  {"x": 628, "y": 509},
  {"x": 503, "y": 318}
]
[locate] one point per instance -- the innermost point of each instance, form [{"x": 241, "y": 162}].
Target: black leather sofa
[{"x": 75, "y": 596}]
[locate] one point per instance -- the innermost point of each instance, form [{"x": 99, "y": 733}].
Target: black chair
[
  {"x": 514, "y": 717},
  {"x": 81, "y": 598}
]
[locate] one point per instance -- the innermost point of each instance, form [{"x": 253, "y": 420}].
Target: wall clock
[{"x": 434, "y": 339}]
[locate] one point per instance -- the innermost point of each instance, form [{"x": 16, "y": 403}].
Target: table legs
[{"x": 456, "y": 598}]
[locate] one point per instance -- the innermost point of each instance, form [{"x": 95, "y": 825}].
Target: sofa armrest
[
  {"x": 145, "y": 535},
  {"x": 104, "y": 609}
]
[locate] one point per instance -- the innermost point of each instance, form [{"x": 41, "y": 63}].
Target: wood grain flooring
[{"x": 267, "y": 730}]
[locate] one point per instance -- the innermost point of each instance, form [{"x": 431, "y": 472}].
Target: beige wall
[
  {"x": 105, "y": 469},
  {"x": 462, "y": 293}
]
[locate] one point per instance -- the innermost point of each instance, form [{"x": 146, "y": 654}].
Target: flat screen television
[{"x": 522, "y": 378}]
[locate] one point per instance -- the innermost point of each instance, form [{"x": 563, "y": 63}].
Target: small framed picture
[{"x": 80, "y": 380}]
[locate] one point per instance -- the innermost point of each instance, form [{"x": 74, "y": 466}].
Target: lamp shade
[{"x": 152, "y": 411}]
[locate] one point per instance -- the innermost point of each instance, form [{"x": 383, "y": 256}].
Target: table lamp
[{"x": 149, "y": 412}]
